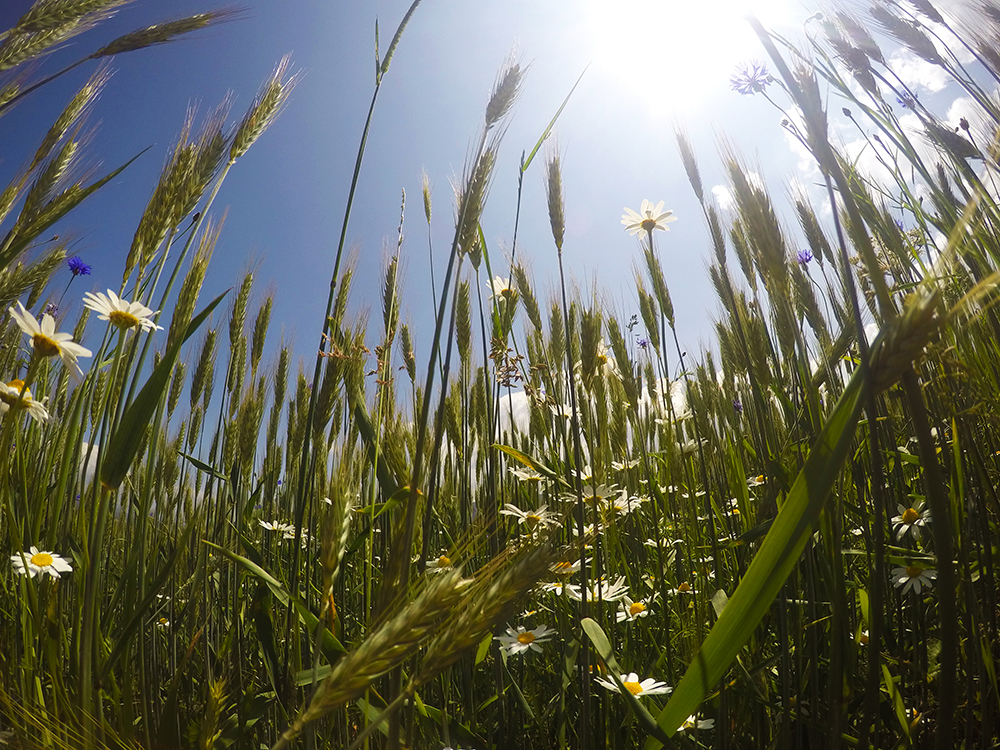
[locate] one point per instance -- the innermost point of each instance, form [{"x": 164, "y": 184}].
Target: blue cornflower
[
  {"x": 643, "y": 343},
  {"x": 737, "y": 406},
  {"x": 752, "y": 78},
  {"x": 77, "y": 267},
  {"x": 804, "y": 257},
  {"x": 906, "y": 101}
]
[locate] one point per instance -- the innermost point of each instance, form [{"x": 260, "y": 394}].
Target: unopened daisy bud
[{"x": 554, "y": 195}]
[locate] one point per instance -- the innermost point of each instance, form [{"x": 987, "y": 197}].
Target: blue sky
[{"x": 653, "y": 64}]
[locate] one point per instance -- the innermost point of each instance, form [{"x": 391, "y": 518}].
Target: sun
[{"x": 672, "y": 54}]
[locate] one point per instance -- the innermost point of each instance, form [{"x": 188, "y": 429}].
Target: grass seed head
[
  {"x": 161, "y": 33},
  {"x": 265, "y": 108},
  {"x": 554, "y": 197},
  {"x": 505, "y": 91}
]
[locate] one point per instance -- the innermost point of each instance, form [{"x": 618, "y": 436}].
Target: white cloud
[
  {"x": 724, "y": 197},
  {"x": 917, "y": 73}
]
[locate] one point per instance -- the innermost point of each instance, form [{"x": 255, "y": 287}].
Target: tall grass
[{"x": 562, "y": 531}]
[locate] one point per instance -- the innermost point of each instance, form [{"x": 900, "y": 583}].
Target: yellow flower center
[
  {"x": 45, "y": 346},
  {"x": 41, "y": 559},
  {"x": 910, "y": 515},
  {"x": 444, "y": 562},
  {"x": 914, "y": 571},
  {"x": 636, "y": 609},
  {"x": 11, "y": 397},
  {"x": 164, "y": 621},
  {"x": 532, "y": 518},
  {"x": 562, "y": 568},
  {"x": 759, "y": 478},
  {"x": 684, "y": 587},
  {"x": 863, "y": 639},
  {"x": 633, "y": 687},
  {"x": 123, "y": 319},
  {"x": 649, "y": 224},
  {"x": 528, "y": 637}
]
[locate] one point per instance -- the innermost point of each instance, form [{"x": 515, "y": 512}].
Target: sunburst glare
[{"x": 671, "y": 55}]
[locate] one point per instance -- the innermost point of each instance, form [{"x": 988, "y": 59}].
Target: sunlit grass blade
[{"x": 778, "y": 555}]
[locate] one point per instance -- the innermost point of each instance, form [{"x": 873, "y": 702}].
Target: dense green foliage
[{"x": 563, "y": 531}]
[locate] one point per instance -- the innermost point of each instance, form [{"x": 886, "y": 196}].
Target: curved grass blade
[
  {"x": 603, "y": 647},
  {"x": 124, "y": 444},
  {"x": 778, "y": 555},
  {"x": 526, "y": 161},
  {"x": 532, "y": 463}
]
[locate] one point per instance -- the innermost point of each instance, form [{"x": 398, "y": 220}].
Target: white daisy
[
  {"x": 910, "y": 520},
  {"x": 119, "y": 312},
  {"x": 531, "y": 518},
  {"x": 47, "y": 343},
  {"x": 624, "y": 465},
  {"x": 604, "y": 590},
  {"x": 565, "y": 568},
  {"x": 693, "y": 722},
  {"x": 442, "y": 563},
  {"x": 526, "y": 475},
  {"x": 650, "y": 217},
  {"x": 649, "y": 686},
  {"x": 34, "y": 561},
  {"x": 913, "y": 577},
  {"x": 682, "y": 588},
  {"x": 284, "y": 528},
  {"x": 606, "y": 361},
  {"x": 631, "y": 610},
  {"x": 500, "y": 287},
  {"x": 11, "y": 397},
  {"x": 521, "y": 640},
  {"x": 560, "y": 587}
]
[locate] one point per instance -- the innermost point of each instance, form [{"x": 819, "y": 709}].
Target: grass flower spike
[
  {"x": 11, "y": 397},
  {"x": 521, "y": 640},
  {"x": 649, "y": 686},
  {"x": 120, "y": 313},
  {"x": 47, "y": 343},
  {"x": 650, "y": 217},
  {"x": 33, "y": 562}
]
